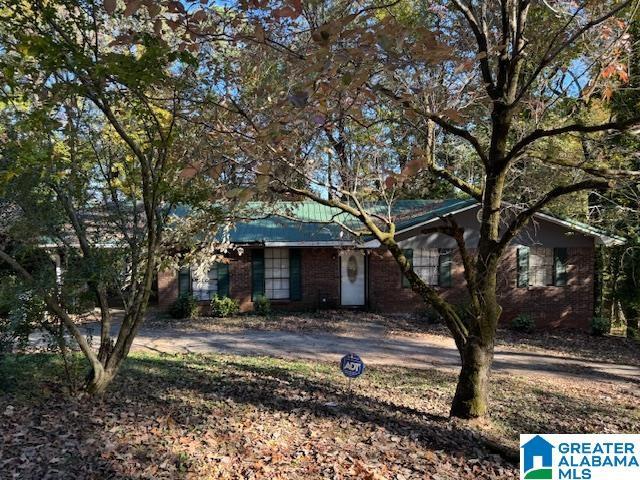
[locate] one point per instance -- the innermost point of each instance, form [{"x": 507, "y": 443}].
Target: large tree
[
  {"x": 619, "y": 209},
  {"x": 97, "y": 103},
  {"x": 318, "y": 97}
]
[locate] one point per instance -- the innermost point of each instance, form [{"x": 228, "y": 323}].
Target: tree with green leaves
[
  {"x": 97, "y": 147},
  {"x": 619, "y": 209}
]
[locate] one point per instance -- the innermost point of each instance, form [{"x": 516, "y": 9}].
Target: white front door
[{"x": 352, "y": 278}]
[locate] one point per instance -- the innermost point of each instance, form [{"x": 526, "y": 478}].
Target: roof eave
[
  {"x": 600, "y": 237},
  {"x": 330, "y": 243},
  {"x": 466, "y": 204},
  {"x": 376, "y": 244}
]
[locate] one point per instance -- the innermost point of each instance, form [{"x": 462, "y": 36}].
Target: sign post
[{"x": 352, "y": 366}]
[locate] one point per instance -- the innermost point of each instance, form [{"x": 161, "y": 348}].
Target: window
[
  {"x": 425, "y": 263},
  {"x": 432, "y": 265},
  {"x": 184, "y": 281},
  {"x": 540, "y": 266},
  {"x": 276, "y": 273},
  {"x": 207, "y": 288}
]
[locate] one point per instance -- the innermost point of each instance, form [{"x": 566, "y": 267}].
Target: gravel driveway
[{"x": 415, "y": 351}]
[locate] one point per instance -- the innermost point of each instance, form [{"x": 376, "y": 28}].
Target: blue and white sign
[
  {"x": 580, "y": 457},
  {"x": 351, "y": 365}
]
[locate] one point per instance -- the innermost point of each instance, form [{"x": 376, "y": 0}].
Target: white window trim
[
  {"x": 277, "y": 273},
  {"x": 540, "y": 266},
  {"x": 206, "y": 289},
  {"x": 426, "y": 264}
]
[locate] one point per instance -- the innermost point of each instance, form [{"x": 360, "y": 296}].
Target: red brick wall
[
  {"x": 567, "y": 307},
  {"x": 386, "y": 293},
  {"x": 320, "y": 278},
  {"x": 570, "y": 306},
  {"x": 240, "y": 280},
  {"x": 167, "y": 288},
  {"x": 320, "y": 269},
  {"x": 239, "y": 284}
]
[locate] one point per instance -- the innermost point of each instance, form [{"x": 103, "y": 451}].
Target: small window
[
  {"x": 208, "y": 287},
  {"x": 184, "y": 281},
  {"x": 425, "y": 263},
  {"x": 540, "y": 266},
  {"x": 276, "y": 273}
]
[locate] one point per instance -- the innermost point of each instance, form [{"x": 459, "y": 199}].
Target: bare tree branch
[
  {"x": 576, "y": 127},
  {"x": 481, "y": 40},
  {"x": 441, "y": 122},
  {"x": 551, "y": 54},
  {"x": 523, "y": 217},
  {"x": 611, "y": 173},
  {"x": 457, "y": 182}
]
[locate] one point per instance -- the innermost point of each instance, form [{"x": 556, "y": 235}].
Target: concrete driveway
[{"x": 415, "y": 351}]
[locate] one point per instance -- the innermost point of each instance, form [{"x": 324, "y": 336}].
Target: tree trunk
[
  {"x": 631, "y": 313},
  {"x": 99, "y": 381},
  {"x": 471, "y": 397},
  {"x": 633, "y": 326}
]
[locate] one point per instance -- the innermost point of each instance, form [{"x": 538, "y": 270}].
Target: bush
[
  {"x": 600, "y": 326},
  {"x": 262, "y": 305},
  {"x": 523, "y": 323},
  {"x": 81, "y": 302},
  {"x": 633, "y": 333},
  {"x": 184, "y": 307},
  {"x": 430, "y": 316},
  {"x": 27, "y": 315},
  {"x": 8, "y": 292},
  {"x": 7, "y": 336},
  {"x": 224, "y": 306}
]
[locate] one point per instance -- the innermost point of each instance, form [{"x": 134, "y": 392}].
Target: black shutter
[
  {"x": 523, "y": 267},
  {"x": 223, "y": 279},
  {"x": 257, "y": 274},
  {"x": 295, "y": 274},
  {"x": 184, "y": 281},
  {"x": 560, "y": 267},
  {"x": 444, "y": 267},
  {"x": 408, "y": 253}
]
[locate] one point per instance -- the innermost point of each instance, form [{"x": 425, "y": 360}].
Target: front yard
[{"x": 225, "y": 416}]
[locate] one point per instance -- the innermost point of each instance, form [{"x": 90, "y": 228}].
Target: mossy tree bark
[
  {"x": 98, "y": 381},
  {"x": 471, "y": 399}
]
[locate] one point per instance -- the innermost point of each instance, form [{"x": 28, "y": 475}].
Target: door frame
[{"x": 365, "y": 263}]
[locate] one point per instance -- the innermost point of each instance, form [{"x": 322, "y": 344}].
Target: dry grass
[{"x": 220, "y": 416}]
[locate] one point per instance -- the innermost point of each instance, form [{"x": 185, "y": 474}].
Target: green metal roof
[
  {"x": 315, "y": 224},
  {"x": 311, "y": 222}
]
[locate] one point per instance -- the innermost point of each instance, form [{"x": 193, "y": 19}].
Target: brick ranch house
[{"x": 301, "y": 260}]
